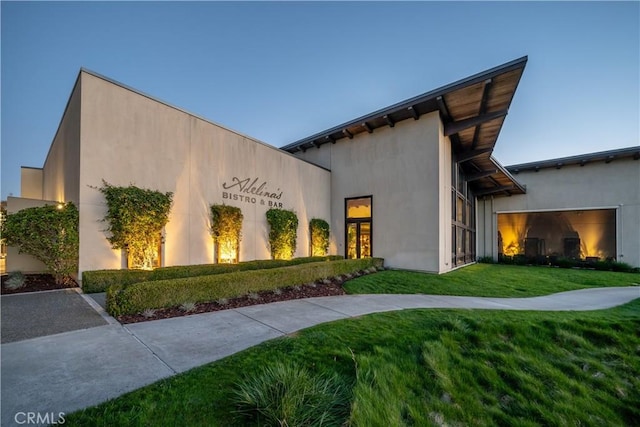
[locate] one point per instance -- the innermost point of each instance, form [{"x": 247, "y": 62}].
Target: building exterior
[{"x": 414, "y": 183}]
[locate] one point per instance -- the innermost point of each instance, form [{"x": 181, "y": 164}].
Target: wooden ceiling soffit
[
  {"x": 472, "y": 154},
  {"x": 460, "y": 125},
  {"x": 482, "y": 174},
  {"x": 493, "y": 190}
]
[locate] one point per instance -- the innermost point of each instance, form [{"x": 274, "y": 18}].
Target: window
[{"x": 463, "y": 232}]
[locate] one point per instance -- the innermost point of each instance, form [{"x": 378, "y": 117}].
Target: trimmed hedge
[
  {"x": 100, "y": 280},
  {"x": 168, "y": 293}
]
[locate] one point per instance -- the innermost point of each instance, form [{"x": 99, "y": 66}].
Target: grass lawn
[
  {"x": 489, "y": 280},
  {"x": 427, "y": 367}
]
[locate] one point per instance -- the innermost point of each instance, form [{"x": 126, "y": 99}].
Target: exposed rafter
[
  {"x": 390, "y": 122},
  {"x": 414, "y": 112},
  {"x": 480, "y": 175},
  {"x": 493, "y": 190},
  {"x": 468, "y": 155},
  {"x": 483, "y": 109},
  {"x": 330, "y": 139},
  {"x": 444, "y": 111},
  {"x": 455, "y": 127},
  {"x": 347, "y": 133},
  {"x": 368, "y": 127}
]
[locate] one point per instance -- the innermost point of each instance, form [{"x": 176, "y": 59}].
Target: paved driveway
[{"x": 38, "y": 314}]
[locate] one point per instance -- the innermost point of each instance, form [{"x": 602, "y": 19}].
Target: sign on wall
[{"x": 252, "y": 191}]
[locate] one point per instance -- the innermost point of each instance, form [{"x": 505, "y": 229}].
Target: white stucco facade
[
  {"x": 596, "y": 185},
  {"x": 424, "y": 164}
]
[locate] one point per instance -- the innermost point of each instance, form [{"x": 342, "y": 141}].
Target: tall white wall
[
  {"x": 127, "y": 138},
  {"x": 407, "y": 171},
  {"x": 595, "y": 185}
]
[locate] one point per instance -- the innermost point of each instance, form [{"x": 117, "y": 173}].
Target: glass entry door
[
  {"x": 358, "y": 240},
  {"x": 358, "y": 227}
]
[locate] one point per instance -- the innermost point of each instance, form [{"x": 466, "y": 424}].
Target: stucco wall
[
  {"x": 403, "y": 169},
  {"x": 15, "y": 260},
  {"x": 61, "y": 170},
  {"x": 595, "y": 185},
  {"x": 31, "y": 183},
  {"x": 128, "y": 138}
]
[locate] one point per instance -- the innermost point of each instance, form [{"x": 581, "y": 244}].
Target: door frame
[{"x": 357, "y": 221}]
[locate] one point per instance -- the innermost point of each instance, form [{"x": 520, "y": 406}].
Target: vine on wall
[
  {"x": 226, "y": 229},
  {"x": 136, "y": 218},
  {"x": 48, "y": 233},
  {"x": 283, "y": 233},
  {"x": 319, "y": 229}
]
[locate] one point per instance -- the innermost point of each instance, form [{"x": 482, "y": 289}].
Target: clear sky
[{"x": 282, "y": 71}]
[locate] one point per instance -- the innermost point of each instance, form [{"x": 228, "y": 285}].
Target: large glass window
[
  {"x": 463, "y": 232},
  {"x": 582, "y": 234},
  {"x": 358, "y": 227}
]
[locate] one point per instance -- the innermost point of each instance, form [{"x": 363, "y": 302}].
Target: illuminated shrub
[
  {"x": 226, "y": 227},
  {"x": 283, "y": 233},
  {"x": 136, "y": 218},
  {"x": 319, "y": 230}
]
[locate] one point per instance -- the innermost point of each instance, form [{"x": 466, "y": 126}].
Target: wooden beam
[
  {"x": 368, "y": 127},
  {"x": 460, "y": 125},
  {"x": 390, "y": 122},
  {"x": 347, "y": 133},
  {"x": 413, "y": 112},
  {"x": 483, "y": 109},
  {"x": 442, "y": 106},
  {"x": 481, "y": 174},
  {"x": 609, "y": 159},
  {"x": 330, "y": 139},
  {"x": 493, "y": 190},
  {"x": 472, "y": 154},
  {"x": 317, "y": 144}
]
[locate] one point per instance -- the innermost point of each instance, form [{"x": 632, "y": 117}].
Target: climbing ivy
[
  {"x": 48, "y": 233},
  {"x": 136, "y": 218},
  {"x": 283, "y": 233},
  {"x": 226, "y": 228},
  {"x": 319, "y": 230}
]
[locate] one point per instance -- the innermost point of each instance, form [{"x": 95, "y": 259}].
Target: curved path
[{"x": 73, "y": 370}]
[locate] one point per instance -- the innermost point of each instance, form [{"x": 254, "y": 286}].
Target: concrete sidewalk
[{"x": 77, "y": 369}]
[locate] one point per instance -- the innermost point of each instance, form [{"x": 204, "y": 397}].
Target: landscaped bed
[{"x": 35, "y": 283}]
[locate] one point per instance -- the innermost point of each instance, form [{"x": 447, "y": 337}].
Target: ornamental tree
[
  {"x": 283, "y": 233},
  {"x": 226, "y": 229},
  {"x": 136, "y": 218},
  {"x": 49, "y": 234},
  {"x": 319, "y": 230}
]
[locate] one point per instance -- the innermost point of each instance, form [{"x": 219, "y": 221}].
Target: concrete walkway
[{"x": 73, "y": 370}]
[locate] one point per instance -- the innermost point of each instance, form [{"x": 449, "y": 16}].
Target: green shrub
[
  {"x": 49, "y": 234},
  {"x": 100, "y": 280},
  {"x": 319, "y": 230},
  {"x": 283, "y": 233},
  {"x": 136, "y": 217},
  {"x": 486, "y": 260},
  {"x": 226, "y": 229},
  {"x": 15, "y": 280},
  {"x": 168, "y": 293},
  {"x": 287, "y": 395}
]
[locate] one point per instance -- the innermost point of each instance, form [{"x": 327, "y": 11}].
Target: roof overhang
[
  {"x": 472, "y": 111},
  {"x": 582, "y": 160}
]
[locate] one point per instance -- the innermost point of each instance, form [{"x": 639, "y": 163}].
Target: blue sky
[{"x": 283, "y": 71}]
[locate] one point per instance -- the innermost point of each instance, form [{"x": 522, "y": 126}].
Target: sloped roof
[
  {"x": 472, "y": 111},
  {"x": 582, "y": 160}
]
